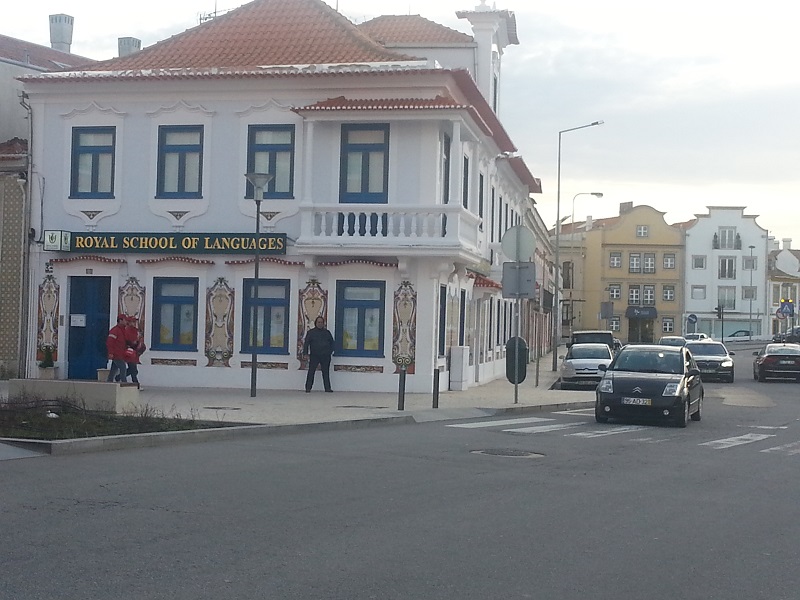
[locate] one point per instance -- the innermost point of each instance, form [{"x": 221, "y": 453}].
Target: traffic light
[
  {"x": 720, "y": 310},
  {"x": 790, "y": 304}
]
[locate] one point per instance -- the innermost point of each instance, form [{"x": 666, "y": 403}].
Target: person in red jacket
[
  {"x": 133, "y": 338},
  {"x": 116, "y": 345}
]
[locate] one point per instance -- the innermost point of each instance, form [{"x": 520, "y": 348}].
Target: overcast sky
[{"x": 701, "y": 100}]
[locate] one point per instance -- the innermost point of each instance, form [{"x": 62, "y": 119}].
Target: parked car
[
  {"x": 593, "y": 336},
  {"x": 651, "y": 381},
  {"x": 791, "y": 336},
  {"x": 740, "y": 333},
  {"x": 713, "y": 359},
  {"x": 672, "y": 340},
  {"x": 580, "y": 366},
  {"x": 777, "y": 361},
  {"x": 695, "y": 336}
]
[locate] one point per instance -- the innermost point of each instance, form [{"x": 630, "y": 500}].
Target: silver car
[{"x": 580, "y": 366}]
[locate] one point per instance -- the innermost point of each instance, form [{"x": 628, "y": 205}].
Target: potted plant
[{"x": 47, "y": 368}]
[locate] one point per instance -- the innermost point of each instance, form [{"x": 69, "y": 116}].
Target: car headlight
[
  {"x": 671, "y": 389},
  {"x": 606, "y": 386},
  {"x": 726, "y": 363}
]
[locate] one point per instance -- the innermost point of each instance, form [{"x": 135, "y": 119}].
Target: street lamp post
[
  {"x": 750, "y": 318},
  {"x": 572, "y": 258},
  {"x": 556, "y": 303},
  {"x": 259, "y": 181}
]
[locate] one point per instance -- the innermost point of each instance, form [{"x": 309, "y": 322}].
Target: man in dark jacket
[
  {"x": 318, "y": 347},
  {"x": 116, "y": 345}
]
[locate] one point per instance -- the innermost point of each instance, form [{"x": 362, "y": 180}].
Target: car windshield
[
  {"x": 707, "y": 349},
  {"x": 583, "y": 352},
  {"x": 778, "y": 349},
  {"x": 649, "y": 361},
  {"x": 592, "y": 338},
  {"x": 672, "y": 341}
]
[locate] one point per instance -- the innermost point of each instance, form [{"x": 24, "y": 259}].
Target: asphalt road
[{"x": 556, "y": 507}]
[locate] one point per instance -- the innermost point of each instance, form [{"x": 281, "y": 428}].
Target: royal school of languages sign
[{"x": 195, "y": 243}]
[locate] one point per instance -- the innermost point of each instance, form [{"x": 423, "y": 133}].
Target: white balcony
[{"x": 443, "y": 230}]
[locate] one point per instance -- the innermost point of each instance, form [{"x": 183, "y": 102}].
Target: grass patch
[{"x": 65, "y": 419}]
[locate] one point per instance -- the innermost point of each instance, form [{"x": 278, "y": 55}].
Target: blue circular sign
[{"x": 692, "y": 318}]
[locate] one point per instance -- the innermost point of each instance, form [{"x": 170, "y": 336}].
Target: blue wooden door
[{"x": 89, "y": 322}]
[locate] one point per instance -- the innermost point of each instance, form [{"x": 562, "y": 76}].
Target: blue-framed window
[
  {"x": 180, "y": 161},
  {"x": 265, "y": 318},
  {"x": 270, "y": 149},
  {"x": 93, "y": 153},
  {"x": 364, "y": 176},
  {"x": 360, "y": 314},
  {"x": 174, "y": 313}
]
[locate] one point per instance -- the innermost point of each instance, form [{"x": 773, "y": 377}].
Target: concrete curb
[{"x": 150, "y": 440}]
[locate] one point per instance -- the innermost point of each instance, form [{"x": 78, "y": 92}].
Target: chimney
[
  {"x": 772, "y": 244},
  {"x": 61, "y": 32},
  {"x": 625, "y": 207},
  {"x": 787, "y": 243},
  {"x": 128, "y": 45},
  {"x": 589, "y": 223}
]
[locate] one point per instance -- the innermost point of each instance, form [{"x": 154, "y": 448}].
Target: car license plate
[
  {"x": 638, "y": 401},
  {"x": 706, "y": 370},
  {"x": 785, "y": 362}
]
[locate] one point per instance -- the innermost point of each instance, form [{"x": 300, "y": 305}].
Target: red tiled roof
[
  {"x": 485, "y": 282},
  {"x": 40, "y": 58},
  {"x": 391, "y": 30},
  {"x": 263, "y": 32},
  {"x": 15, "y": 146},
  {"x": 342, "y": 103},
  {"x": 521, "y": 169}
]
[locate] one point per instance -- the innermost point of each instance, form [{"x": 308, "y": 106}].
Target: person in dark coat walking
[
  {"x": 318, "y": 346},
  {"x": 115, "y": 346}
]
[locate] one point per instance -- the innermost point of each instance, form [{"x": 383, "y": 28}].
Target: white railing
[{"x": 384, "y": 224}]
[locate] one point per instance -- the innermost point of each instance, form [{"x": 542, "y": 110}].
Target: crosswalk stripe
[
  {"x": 502, "y": 423},
  {"x": 579, "y": 412},
  {"x": 605, "y": 432},
  {"x": 543, "y": 428},
  {"x": 790, "y": 449},
  {"x": 737, "y": 441}
]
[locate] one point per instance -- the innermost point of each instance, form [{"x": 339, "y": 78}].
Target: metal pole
[
  {"x": 750, "y": 317},
  {"x": 435, "y": 386},
  {"x": 254, "y": 359},
  {"x": 516, "y": 353},
  {"x": 556, "y": 305},
  {"x": 401, "y": 393}
]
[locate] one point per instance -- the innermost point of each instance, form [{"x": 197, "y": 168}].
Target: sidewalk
[{"x": 287, "y": 408}]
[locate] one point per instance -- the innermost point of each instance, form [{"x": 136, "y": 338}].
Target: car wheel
[
  {"x": 761, "y": 376},
  {"x": 598, "y": 416},
  {"x": 698, "y": 414},
  {"x": 755, "y": 375},
  {"x": 683, "y": 419},
  {"x": 730, "y": 379}
]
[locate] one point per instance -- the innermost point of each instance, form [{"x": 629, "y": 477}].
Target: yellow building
[{"x": 627, "y": 275}]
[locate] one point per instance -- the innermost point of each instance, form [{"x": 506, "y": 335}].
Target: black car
[
  {"x": 651, "y": 381},
  {"x": 713, "y": 360},
  {"x": 777, "y": 361}
]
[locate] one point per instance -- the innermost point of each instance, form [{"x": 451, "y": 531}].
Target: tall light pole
[
  {"x": 750, "y": 318},
  {"x": 572, "y": 258},
  {"x": 556, "y": 304},
  {"x": 259, "y": 181}
]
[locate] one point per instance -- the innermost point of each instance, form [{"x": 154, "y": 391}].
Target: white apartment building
[
  {"x": 392, "y": 180},
  {"x": 726, "y": 265}
]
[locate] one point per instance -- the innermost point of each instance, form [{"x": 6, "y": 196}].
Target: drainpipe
[{"x": 25, "y": 325}]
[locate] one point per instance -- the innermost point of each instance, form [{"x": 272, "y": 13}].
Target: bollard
[
  {"x": 436, "y": 387},
  {"x": 401, "y": 394}
]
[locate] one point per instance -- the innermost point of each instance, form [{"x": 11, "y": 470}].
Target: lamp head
[
  {"x": 259, "y": 180},
  {"x": 597, "y": 194}
]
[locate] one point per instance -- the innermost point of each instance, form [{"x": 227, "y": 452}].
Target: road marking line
[
  {"x": 764, "y": 427},
  {"x": 544, "y": 428},
  {"x": 501, "y": 423},
  {"x": 790, "y": 449},
  {"x": 737, "y": 441},
  {"x": 603, "y": 433},
  {"x": 576, "y": 411}
]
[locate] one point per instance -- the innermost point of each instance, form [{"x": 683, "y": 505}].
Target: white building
[
  {"x": 392, "y": 182},
  {"x": 784, "y": 284},
  {"x": 726, "y": 265}
]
